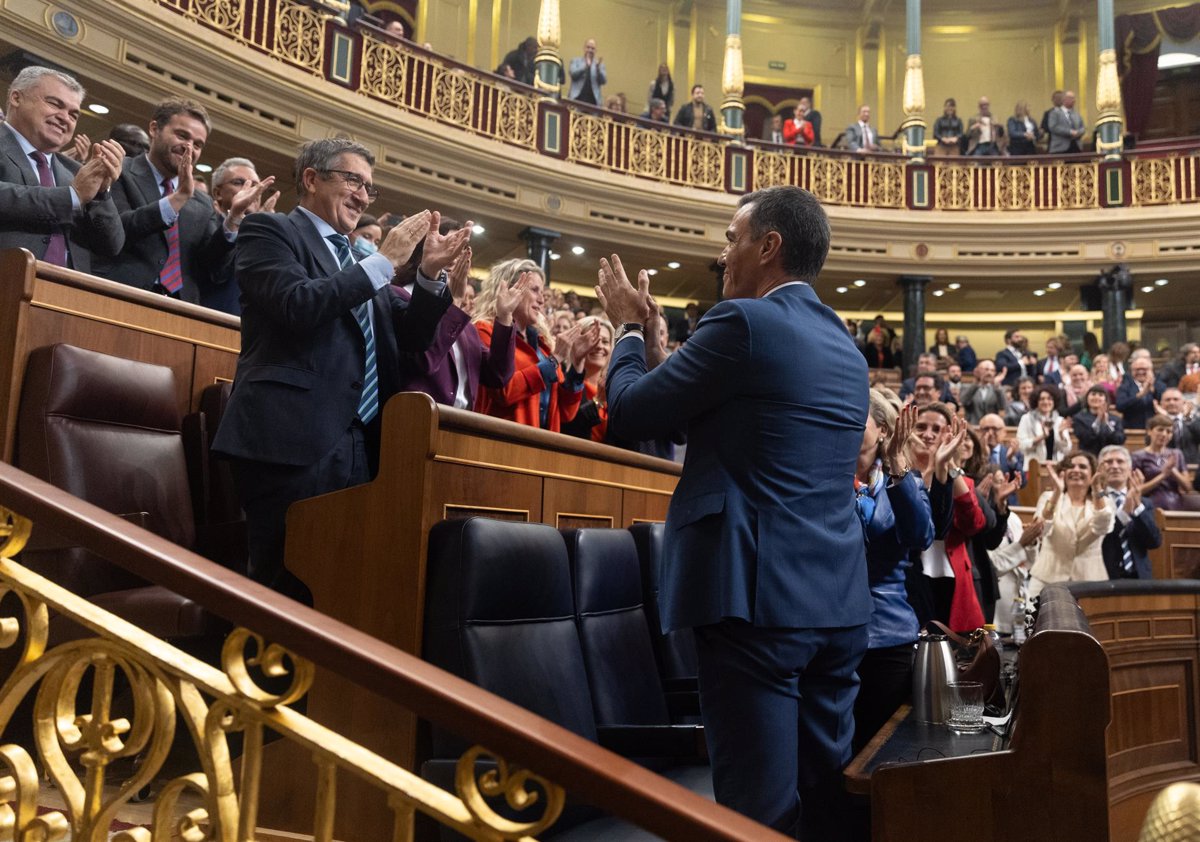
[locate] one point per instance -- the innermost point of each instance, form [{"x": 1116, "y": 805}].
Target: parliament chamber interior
[{"x": 451, "y": 623}]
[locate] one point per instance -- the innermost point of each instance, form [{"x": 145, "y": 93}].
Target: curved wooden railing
[
  {"x": 308, "y": 36},
  {"x": 582, "y": 768}
]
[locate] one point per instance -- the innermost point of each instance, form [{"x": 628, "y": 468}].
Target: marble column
[
  {"x": 538, "y": 241},
  {"x": 914, "y": 318},
  {"x": 1115, "y": 288},
  {"x": 733, "y": 109},
  {"x": 1109, "y": 122},
  {"x": 914, "y": 86},
  {"x": 547, "y": 64}
]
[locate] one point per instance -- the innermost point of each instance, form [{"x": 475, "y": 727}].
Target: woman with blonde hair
[
  {"x": 1023, "y": 132},
  {"x": 547, "y": 383},
  {"x": 591, "y": 421}
]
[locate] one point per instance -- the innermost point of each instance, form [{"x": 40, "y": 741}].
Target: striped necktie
[
  {"x": 1126, "y": 552},
  {"x": 368, "y": 404},
  {"x": 171, "y": 276}
]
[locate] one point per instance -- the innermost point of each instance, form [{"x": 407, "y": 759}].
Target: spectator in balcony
[
  {"x": 985, "y": 135},
  {"x": 941, "y": 347},
  {"x": 1185, "y": 423},
  {"x": 588, "y": 76},
  {"x": 615, "y": 103},
  {"x": 1023, "y": 133},
  {"x": 1134, "y": 531},
  {"x": 591, "y": 420},
  {"x": 547, "y": 383},
  {"x": 1188, "y": 362},
  {"x": 948, "y": 130},
  {"x": 1138, "y": 393},
  {"x": 804, "y": 108},
  {"x": 1021, "y": 402},
  {"x": 663, "y": 87},
  {"x": 1056, "y": 101},
  {"x": 964, "y": 353},
  {"x": 860, "y": 135},
  {"x": 983, "y": 396},
  {"x": 395, "y": 28},
  {"x": 1168, "y": 484},
  {"x": 1044, "y": 434},
  {"x": 1065, "y": 126},
  {"x": 798, "y": 131},
  {"x": 521, "y": 60},
  {"x": 133, "y": 139},
  {"x": 174, "y": 242},
  {"x": 57, "y": 208},
  {"x": 1096, "y": 427},
  {"x": 878, "y": 353},
  {"x": 697, "y": 114},
  {"x": 1077, "y": 513},
  {"x": 773, "y": 129},
  {"x": 656, "y": 111}
]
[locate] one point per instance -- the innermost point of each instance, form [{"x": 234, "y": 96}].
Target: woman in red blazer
[
  {"x": 798, "y": 132},
  {"x": 547, "y": 383}
]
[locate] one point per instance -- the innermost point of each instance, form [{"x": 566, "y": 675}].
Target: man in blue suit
[
  {"x": 764, "y": 556},
  {"x": 1134, "y": 533}
]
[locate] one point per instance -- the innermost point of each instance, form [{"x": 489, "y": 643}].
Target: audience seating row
[{"x": 554, "y": 622}]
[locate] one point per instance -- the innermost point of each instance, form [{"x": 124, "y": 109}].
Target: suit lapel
[
  {"x": 8, "y": 142},
  {"x": 315, "y": 242}
]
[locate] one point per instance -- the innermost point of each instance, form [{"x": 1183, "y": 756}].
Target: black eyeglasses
[{"x": 356, "y": 183}]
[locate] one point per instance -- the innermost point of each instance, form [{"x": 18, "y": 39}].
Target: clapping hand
[
  {"x": 620, "y": 300},
  {"x": 460, "y": 274},
  {"x": 1185, "y": 481},
  {"x": 1133, "y": 494},
  {"x": 1001, "y": 491},
  {"x": 442, "y": 249},
  {"x": 1032, "y": 531},
  {"x": 102, "y": 168},
  {"x": 247, "y": 200},
  {"x": 1059, "y": 484},
  {"x": 583, "y": 342},
  {"x": 508, "y": 298},
  {"x": 945, "y": 455},
  {"x": 402, "y": 240},
  {"x": 79, "y": 148},
  {"x": 895, "y": 454}
]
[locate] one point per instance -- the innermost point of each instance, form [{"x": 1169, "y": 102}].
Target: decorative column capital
[
  {"x": 733, "y": 84},
  {"x": 548, "y": 61}
]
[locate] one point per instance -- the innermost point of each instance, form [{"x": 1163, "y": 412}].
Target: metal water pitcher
[{"x": 933, "y": 670}]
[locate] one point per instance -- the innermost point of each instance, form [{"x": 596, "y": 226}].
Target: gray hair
[
  {"x": 218, "y": 176},
  {"x": 321, "y": 155},
  {"x": 655, "y": 102},
  {"x": 30, "y": 76},
  {"x": 1115, "y": 448}
]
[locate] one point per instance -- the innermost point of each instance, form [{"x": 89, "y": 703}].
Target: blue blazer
[
  {"x": 763, "y": 525},
  {"x": 1143, "y": 535}
]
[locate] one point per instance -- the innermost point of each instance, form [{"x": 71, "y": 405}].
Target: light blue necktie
[{"x": 368, "y": 404}]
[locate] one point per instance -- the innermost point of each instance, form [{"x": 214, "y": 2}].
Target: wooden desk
[{"x": 41, "y": 304}]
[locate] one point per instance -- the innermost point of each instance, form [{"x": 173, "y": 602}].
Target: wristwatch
[
  {"x": 955, "y": 473},
  {"x": 631, "y": 327}
]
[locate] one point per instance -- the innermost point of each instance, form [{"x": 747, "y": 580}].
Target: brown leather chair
[{"x": 107, "y": 430}]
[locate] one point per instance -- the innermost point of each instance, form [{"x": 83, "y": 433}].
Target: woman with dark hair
[
  {"x": 941, "y": 346},
  {"x": 1021, "y": 402},
  {"x": 1044, "y": 434},
  {"x": 1165, "y": 469},
  {"x": 877, "y": 352},
  {"x": 663, "y": 87},
  {"x": 1096, "y": 426},
  {"x": 1077, "y": 515}
]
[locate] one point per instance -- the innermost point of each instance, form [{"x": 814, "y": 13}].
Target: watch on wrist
[
  {"x": 955, "y": 473},
  {"x": 631, "y": 327}
]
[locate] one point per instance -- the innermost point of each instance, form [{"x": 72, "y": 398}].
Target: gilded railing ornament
[
  {"x": 14, "y": 533},
  {"x": 271, "y": 660},
  {"x": 474, "y": 788}
]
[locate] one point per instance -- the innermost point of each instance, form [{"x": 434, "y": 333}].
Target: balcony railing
[{"x": 369, "y": 62}]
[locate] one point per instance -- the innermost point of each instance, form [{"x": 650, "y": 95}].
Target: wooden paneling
[{"x": 571, "y": 505}]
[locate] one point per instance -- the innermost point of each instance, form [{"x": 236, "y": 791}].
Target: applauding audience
[
  {"x": 1185, "y": 423},
  {"x": 591, "y": 421},
  {"x": 1096, "y": 427},
  {"x": 1043, "y": 433},
  {"x": 1014, "y": 557},
  {"x": 1138, "y": 393},
  {"x": 1168, "y": 485},
  {"x": 1134, "y": 532},
  {"x": 1077, "y": 514}
]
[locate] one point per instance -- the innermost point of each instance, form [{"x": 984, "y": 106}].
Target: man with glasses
[
  {"x": 322, "y": 336},
  {"x": 57, "y": 208},
  {"x": 1134, "y": 531},
  {"x": 229, "y": 179},
  {"x": 173, "y": 241},
  {"x": 994, "y": 436}
]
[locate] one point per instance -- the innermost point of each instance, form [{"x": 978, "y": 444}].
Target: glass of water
[{"x": 966, "y": 707}]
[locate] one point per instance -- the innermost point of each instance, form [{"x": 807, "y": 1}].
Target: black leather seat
[{"x": 675, "y": 652}]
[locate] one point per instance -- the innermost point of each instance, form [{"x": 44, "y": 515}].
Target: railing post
[
  {"x": 733, "y": 108},
  {"x": 914, "y": 87},
  {"x": 547, "y": 64},
  {"x": 1109, "y": 140}
]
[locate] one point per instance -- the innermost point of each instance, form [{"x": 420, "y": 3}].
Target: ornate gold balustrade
[{"x": 103, "y": 745}]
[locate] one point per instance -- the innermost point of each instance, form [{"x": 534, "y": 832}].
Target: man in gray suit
[
  {"x": 588, "y": 76},
  {"x": 983, "y": 397},
  {"x": 53, "y": 206},
  {"x": 860, "y": 136},
  {"x": 1066, "y": 126}
]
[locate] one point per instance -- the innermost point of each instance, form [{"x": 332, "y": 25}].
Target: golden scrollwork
[
  {"x": 226, "y": 15},
  {"x": 589, "y": 139},
  {"x": 828, "y": 180},
  {"x": 770, "y": 169},
  {"x": 516, "y": 119},
  {"x": 384, "y": 71},
  {"x": 14, "y": 533},
  {"x": 512, "y": 783},
  {"x": 272, "y": 661},
  {"x": 953, "y": 187},
  {"x": 1014, "y": 188},
  {"x": 1153, "y": 181},
  {"x": 300, "y": 35},
  {"x": 648, "y": 152},
  {"x": 732, "y": 76},
  {"x": 887, "y": 185},
  {"x": 706, "y": 164},
  {"x": 914, "y": 87},
  {"x": 1108, "y": 85},
  {"x": 1077, "y": 186},
  {"x": 452, "y": 97}
]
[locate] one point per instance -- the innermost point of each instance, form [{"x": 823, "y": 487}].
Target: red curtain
[{"x": 1138, "y": 38}]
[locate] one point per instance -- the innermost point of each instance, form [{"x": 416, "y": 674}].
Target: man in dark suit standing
[
  {"x": 697, "y": 114},
  {"x": 1051, "y": 369},
  {"x": 1134, "y": 532},
  {"x": 321, "y": 338},
  {"x": 173, "y": 240},
  {"x": 53, "y": 206},
  {"x": 1138, "y": 394},
  {"x": 765, "y": 559},
  {"x": 1014, "y": 361}
]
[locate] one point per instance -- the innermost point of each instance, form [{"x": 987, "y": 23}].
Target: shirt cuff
[
  {"x": 169, "y": 214},
  {"x": 573, "y": 379},
  {"x": 379, "y": 270},
  {"x": 430, "y": 284},
  {"x": 1125, "y": 517},
  {"x": 75, "y": 203}
]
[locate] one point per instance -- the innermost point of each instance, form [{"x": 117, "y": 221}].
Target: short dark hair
[
  {"x": 1065, "y": 462},
  {"x": 323, "y": 153},
  {"x": 168, "y": 108},
  {"x": 941, "y": 409},
  {"x": 797, "y": 216},
  {"x": 926, "y": 375},
  {"x": 1098, "y": 390},
  {"x": 697, "y": 85},
  {"x": 1008, "y": 334}
]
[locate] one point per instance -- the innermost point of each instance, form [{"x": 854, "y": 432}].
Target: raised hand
[
  {"x": 564, "y": 341},
  {"x": 80, "y": 148},
  {"x": 1032, "y": 531},
  {"x": 1058, "y": 481},
  {"x": 985, "y": 485},
  {"x": 268, "y": 205},
  {"x": 1185, "y": 481},
  {"x": 583, "y": 343},
  {"x": 656, "y": 337},
  {"x": 1133, "y": 495},
  {"x": 442, "y": 249},
  {"x": 185, "y": 186},
  {"x": 620, "y": 300},
  {"x": 460, "y": 274},
  {"x": 895, "y": 454},
  {"x": 947, "y": 450},
  {"x": 400, "y": 242},
  {"x": 247, "y": 200},
  {"x": 508, "y": 298}
]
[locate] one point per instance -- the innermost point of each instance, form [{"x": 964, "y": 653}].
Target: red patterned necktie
[
  {"x": 56, "y": 246},
  {"x": 171, "y": 276}
]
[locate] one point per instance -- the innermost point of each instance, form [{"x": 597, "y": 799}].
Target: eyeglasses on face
[{"x": 356, "y": 182}]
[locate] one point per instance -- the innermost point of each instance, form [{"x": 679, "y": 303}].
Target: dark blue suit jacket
[
  {"x": 763, "y": 525},
  {"x": 1007, "y": 359},
  {"x": 1142, "y": 533},
  {"x": 299, "y": 375}
]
